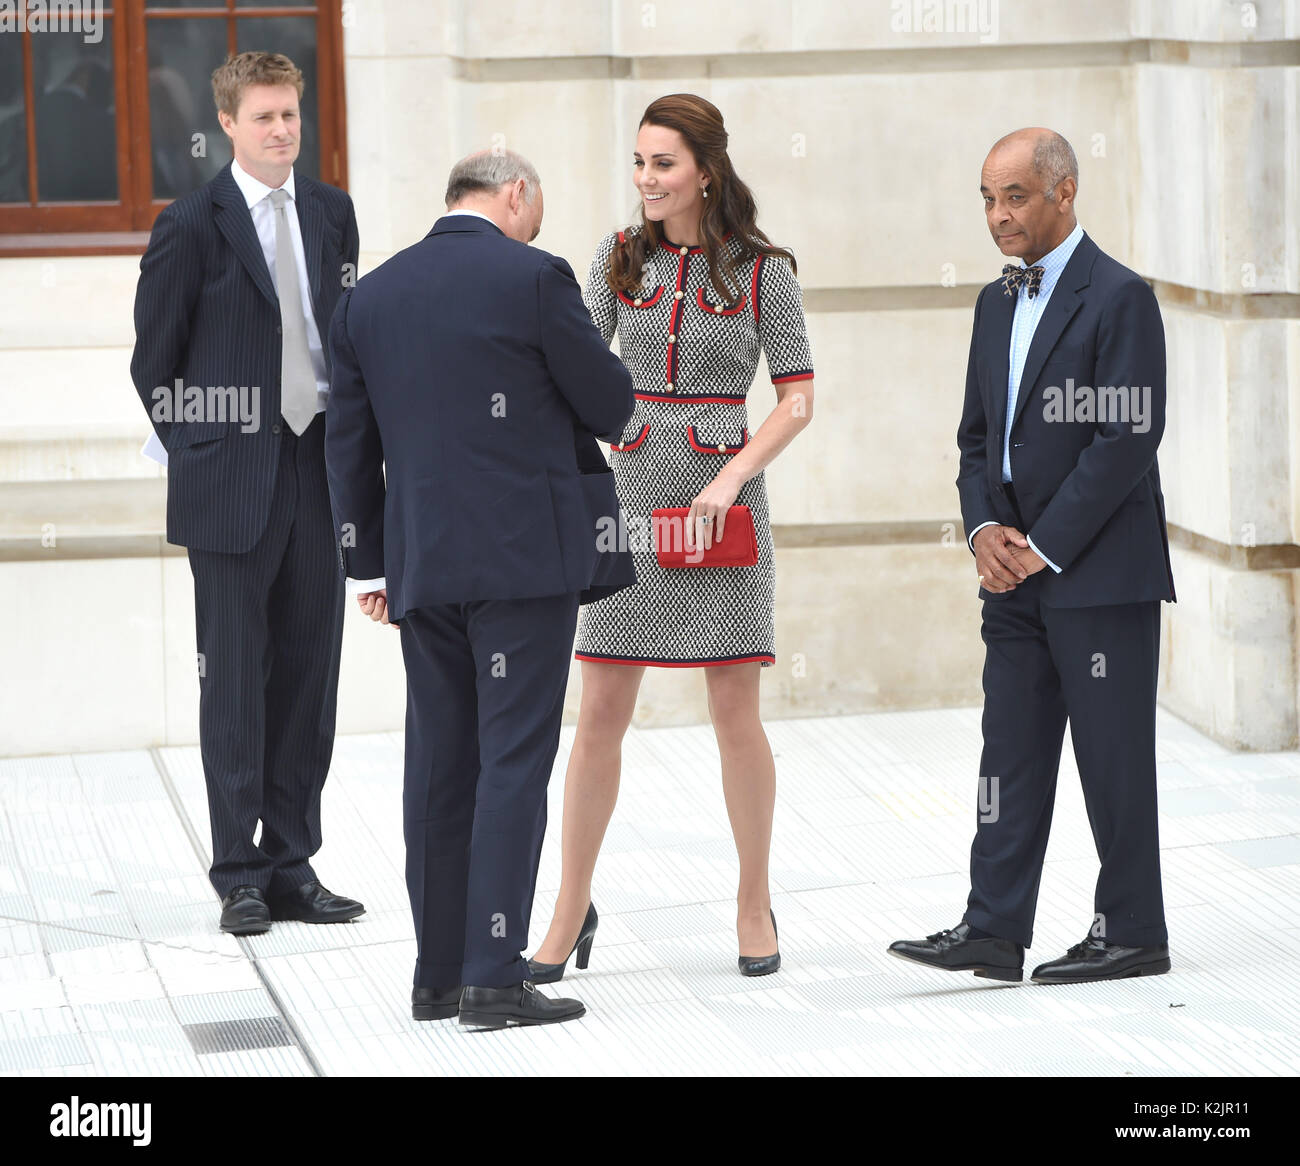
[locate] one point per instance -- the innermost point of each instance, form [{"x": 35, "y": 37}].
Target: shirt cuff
[
  {"x": 1042, "y": 556},
  {"x": 359, "y": 586},
  {"x": 970, "y": 538}
]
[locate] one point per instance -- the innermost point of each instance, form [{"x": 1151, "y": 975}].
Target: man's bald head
[
  {"x": 502, "y": 185},
  {"x": 1049, "y": 155},
  {"x": 1029, "y": 181}
]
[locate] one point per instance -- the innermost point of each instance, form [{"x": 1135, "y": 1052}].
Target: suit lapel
[
  {"x": 310, "y": 224},
  {"x": 1001, "y": 309},
  {"x": 1061, "y": 307},
  {"x": 236, "y": 223}
]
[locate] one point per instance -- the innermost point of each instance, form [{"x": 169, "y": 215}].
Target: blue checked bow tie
[{"x": 1013, "y": 276}]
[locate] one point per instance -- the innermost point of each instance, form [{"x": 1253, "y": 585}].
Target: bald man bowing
[{"x": 1060, "y": 497}]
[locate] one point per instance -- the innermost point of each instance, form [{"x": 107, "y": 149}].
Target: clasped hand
[{"x": 1004, "y": 558}]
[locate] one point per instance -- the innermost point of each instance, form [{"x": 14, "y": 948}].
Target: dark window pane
[
  {"x": 275, "y": 3},
  {"x": 13, "y": 122},
  {"x": 182, "y": 55},
  {"x": 185, "y": 3},
  {"x": 295, "y": 37},
  {"x": 76, "y": 124}
]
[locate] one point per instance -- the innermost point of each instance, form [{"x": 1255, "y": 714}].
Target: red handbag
[{"x": 738, "y": 546}]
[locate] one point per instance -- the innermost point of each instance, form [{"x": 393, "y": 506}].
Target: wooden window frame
[{"x": 122, "y": 228}]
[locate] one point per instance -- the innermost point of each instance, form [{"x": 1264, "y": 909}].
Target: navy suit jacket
[
  {"x": 468, "y": 380},
  {"x": 1087, "y": 481},
  {"x": 207, "y": 312}
]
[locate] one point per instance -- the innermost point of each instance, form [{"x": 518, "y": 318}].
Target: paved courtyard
[{"x": 111, "y": 962}]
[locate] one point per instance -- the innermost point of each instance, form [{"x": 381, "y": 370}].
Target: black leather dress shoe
[
  {"x": 951, "y": 951},
  {"x": 518, "y": 1004},
  {"x": 1095, "y": 959},
  {"x": 312, "y": 903},
  {"x": 435, "y": 1003},
  {"x": 244, "y": 912}
]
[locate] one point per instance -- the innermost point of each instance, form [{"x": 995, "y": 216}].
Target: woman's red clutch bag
[{"x": 737, "y": 548}]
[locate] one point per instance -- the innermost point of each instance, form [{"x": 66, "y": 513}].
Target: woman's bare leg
[
  {"x": 590, "y": 790},
  {"x": 749, "y": 787}
]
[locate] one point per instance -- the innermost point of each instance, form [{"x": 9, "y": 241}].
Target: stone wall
[{"x": 861, "y": 128}]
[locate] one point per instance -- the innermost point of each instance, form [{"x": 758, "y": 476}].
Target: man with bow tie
[{"x": 1060, "y": 496}]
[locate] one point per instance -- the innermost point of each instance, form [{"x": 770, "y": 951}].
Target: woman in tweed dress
[{"x": 693, "y": 290}]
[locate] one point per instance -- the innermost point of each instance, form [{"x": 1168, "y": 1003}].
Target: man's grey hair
[
  {"x": 1054, "y": 160},
  {"x": 487, "y": 171}
]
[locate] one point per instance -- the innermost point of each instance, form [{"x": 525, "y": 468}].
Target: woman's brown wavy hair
[{"x": 730, "y": 206}]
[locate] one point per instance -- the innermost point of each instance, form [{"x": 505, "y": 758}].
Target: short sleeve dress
[{"x": 692, "y": 360}]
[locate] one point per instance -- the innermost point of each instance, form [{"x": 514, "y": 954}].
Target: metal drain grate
[{"x": 229, "y": 1036}]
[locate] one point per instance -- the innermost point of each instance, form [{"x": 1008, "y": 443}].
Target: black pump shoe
[
  {"x": 761, "y": 965},
  {"x": 551, "y": 973},
  {"x": 435, "y": 1004}
]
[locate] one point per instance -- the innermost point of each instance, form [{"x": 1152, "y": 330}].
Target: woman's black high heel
[
  {"x": 551, "y": 973},
  {"x": 761, "y": 965}
]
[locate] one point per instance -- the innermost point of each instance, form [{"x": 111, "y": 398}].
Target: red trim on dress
[
  {"x": 668, "y": 245},
  {"x": 641, "y": 307},
  {"x": 690, "y": 400},
  {"x": 714, "y": 311},
  {"x": 690, "y": 436},
  {"x": 675, "y": 317},
  {"x": 753, "y": 287},
  {"x": 794, "y": 376},
  {"x": 631, "y": 444},
  {"x": 673, "y": 663}
]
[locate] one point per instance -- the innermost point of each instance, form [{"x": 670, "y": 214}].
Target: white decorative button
[
  {"x": 637, "y": 302},
  {"x": 679, "y": 295},
  {"x": 722, "y": 448},
  {"x": 672, "y": 339},
  {"x": 670, "y": 386},
  {"x": 685, "y": 250}
]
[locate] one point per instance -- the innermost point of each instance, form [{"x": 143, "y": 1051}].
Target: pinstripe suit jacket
[{"x": 207, "y": 312}]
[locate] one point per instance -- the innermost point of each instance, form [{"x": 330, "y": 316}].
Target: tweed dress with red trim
[{"x": 693, "y": 359}]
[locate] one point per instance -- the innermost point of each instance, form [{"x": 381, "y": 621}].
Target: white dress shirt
[
  {"x": 1024, "y": 323},
  {"x": 258, "y": 197},
  {"x": 361, "y": 586}
]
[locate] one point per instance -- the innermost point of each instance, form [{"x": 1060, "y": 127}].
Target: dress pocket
[
  {"x": 719, "y": 309},
  {"x": 715, "y": 443},
  {"x": 642, "y": 302},
  {"x": 627, "y": 446}
]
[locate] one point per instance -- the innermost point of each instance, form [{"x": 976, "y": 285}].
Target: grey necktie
[{"x": 297, "y": 380}]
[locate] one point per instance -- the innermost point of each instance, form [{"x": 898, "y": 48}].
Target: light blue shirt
[{"x": 1024, "y": 322}]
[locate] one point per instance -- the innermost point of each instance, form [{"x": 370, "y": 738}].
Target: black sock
[{"x": 976, "y": 933}]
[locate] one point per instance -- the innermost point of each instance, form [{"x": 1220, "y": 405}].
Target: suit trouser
[
  {"x": 1097, "y": 667},
  {"x": 485, "y": 685},
  {"x": 270, "y": 625}
]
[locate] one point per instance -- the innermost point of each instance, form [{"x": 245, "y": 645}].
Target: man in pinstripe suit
[{"x": 236, "y": 290}]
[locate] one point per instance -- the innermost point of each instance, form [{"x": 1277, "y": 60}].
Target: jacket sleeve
[
  {"x": 591, "y": 378},
  {"x": 354, "y": 457},
  {"x": 972, "y": 444},
  {"x": 171, "y": 278},
  {"x": 1130, "y": 352}
]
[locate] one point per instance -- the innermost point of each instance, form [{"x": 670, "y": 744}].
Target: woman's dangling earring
[{"x": 705, "y": 190}]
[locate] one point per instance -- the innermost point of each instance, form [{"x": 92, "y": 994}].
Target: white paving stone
[{"x": 111, "y": 961}]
